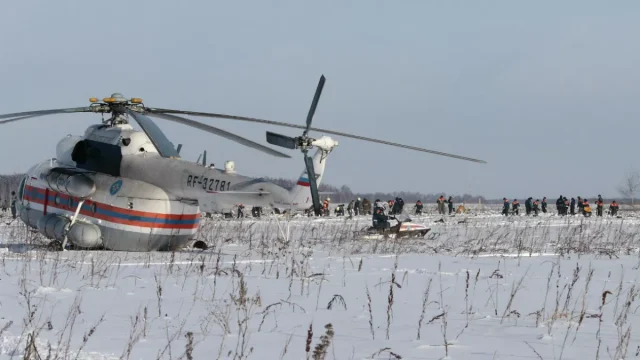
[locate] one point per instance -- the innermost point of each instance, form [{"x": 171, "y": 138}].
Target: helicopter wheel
[
  {"x": 200, "y": 245},
  {"x": 55, "y": 245}
]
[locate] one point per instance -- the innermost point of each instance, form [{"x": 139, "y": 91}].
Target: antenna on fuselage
[{"x": 179, "y": 148}]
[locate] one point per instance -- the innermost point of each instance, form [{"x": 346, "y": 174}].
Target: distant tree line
[{"x": 344, "y": 194}]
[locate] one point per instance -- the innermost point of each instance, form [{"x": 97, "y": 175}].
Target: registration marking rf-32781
[{"x": 208, "y": 185}]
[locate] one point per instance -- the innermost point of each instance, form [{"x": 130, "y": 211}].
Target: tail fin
[{"x": 300, "y": 194}]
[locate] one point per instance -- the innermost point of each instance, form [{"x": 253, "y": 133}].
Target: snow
[{"x": 514, "y": 288}]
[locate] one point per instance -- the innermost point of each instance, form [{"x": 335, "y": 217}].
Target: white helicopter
[{"x": 121, "y": 189}]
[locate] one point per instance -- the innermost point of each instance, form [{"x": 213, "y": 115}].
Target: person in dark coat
[
  {"x": 450, "y": 202},
  {"x": 418, "y": 207},
  {"x": 599, "y": 206},
  {"x": 573, "y": 206},
  {"x": 544, "y": 205},
  {"x": 505, "y": 207},
  {"x": 528, "y": 205},
  {"x": 357, "y": 207},
  {"x": 395, "y": 208},
  {"x": 400, "y": 202},
  {"x": 559, "y": 205},
  {"x": 240, "y": 211},
  {"x": 14, "y": 200},
  {"x": 580, "y": 204},
  {"x": 516, "y": 207},
  {"x": 380, "y": 220}
]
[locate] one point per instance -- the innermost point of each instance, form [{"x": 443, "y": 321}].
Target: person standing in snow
[
  {"x": 450, "y": 203},
  {"x": 528, "y": 205},
  {"x": 559, "y": 205},
  {"x": 356, "y": 207},
  {"x": 580, "y": 204},
  {"x": 516, "y": 207},
  {"x": 505, "y": 207},
  {"x": 441, "y": 201},
  {"x": 350, "y": 208},
  {"x": 418, "y": 207},
  {"x": 14, "y": 200},
  {"x": 366, "y": 207},
  {"x": 599, "y": 206},
  {"x": 400, "y": 205},
  {"x": 544, "y": 205},
  {"x": 573, "y": 206},
  {"x": 536, "y": 207},
  {"x": 395, "y": 208},
  {"x": 613, "y": 208}
]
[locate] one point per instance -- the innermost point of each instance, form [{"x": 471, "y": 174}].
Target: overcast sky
[{"x": 548, "y": 93}]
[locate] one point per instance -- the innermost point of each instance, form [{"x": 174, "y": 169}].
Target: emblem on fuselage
[{"x": 115, "y": 187}]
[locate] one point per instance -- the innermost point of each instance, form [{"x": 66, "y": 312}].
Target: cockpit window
[{"x": 21, "y": 188}]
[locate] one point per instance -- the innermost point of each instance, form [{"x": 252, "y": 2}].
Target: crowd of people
[
  {"x": 392, "y": 207},
  {"x": 564, "y": 206}
]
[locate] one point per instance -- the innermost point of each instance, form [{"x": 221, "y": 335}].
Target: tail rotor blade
[
  {"x": 281, "y": 140},
  {"x": 179, "y": 148},
  {"x": 314, "y": 104},
  {"x": 313, "y": 185}
]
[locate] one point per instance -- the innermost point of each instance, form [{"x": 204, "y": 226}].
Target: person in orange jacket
[
  {"x": 613, "y": 208},
  {"x": 515, "y": 205},
  {"x": 536, "y": 207}
]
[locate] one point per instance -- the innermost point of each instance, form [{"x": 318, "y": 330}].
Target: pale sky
[{"x": 548, "y": 93}]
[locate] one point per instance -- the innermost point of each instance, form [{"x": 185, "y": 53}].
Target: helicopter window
[
  {"x": 141, "y": 149},
  {"x": 94, "y": 208},
  {"x": 57, "y": 199},
  {"x": 21, "y": 188},
  {"x": 70, "y": 202}
]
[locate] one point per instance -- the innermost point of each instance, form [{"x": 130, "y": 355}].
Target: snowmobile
[{"x": 403, "y": 228}]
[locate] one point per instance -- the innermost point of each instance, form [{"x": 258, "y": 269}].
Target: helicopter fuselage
[
  {"x": 132, "y": 198},
  {"x": 121, "y": 214}
]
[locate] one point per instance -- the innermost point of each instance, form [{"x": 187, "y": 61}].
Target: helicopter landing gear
[
  {"x": 200, "y": 245},
  {"x": 55, "y": 245}
]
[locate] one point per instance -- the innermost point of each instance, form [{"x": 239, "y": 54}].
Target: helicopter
[{"x": 118, "y": 188}]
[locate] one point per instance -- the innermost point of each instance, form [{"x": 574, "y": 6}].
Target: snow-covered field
[{"x": 477, "y": 287}]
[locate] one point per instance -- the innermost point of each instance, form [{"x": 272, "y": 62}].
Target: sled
[{"x": 403, "y": 228}]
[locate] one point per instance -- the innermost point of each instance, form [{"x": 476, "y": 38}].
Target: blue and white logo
[{"x": 115, "y": 187}]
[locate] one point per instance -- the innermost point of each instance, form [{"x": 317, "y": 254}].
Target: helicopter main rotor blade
[
  {"x": 32, "y": 114},
  {"x": 219, "y": 132},
  {"x": 18, "y": 119},
  {"x": 277, "y": 123},
  {"x": 158, "y": 138},
  {"x": 314, "y": 104}
]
